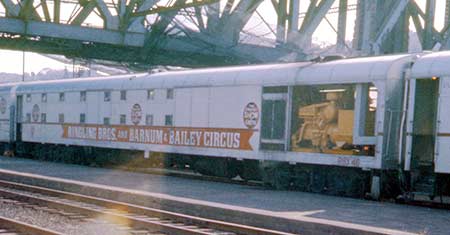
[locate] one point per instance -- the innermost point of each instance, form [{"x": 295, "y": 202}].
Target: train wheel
[
  {"x": 318, "y": 180},
  {"x": 302, "y": 178},
  {"x": 251, "y": 170},
  {"x": 219, "y": 167},
  {"x": 277, "y": 175}
]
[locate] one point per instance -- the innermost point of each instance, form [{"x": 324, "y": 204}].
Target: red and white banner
[{"x": 225, "y": 138}]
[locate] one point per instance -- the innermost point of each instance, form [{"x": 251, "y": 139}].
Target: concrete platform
[{"x": 292, "y": 211}]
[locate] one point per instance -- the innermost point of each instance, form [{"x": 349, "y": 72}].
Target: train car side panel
[
  {"x": 181, "y": 120},
  {"x": 442, "y": 149},
  {"x": 199, "y": 109},
  {"x": 7, "y": 113}
]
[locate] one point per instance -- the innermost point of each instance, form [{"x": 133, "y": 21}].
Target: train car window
[
  {"x": 106, "y": 121},
  {"x": 123, "y": 119},
  {"x": 273, "y": 118},
  {"x": 28, "y": 117},
  {"x": 82, "y": 118},
  {"x": 169, "y": 94},
  {"x": 275, "y": 89},
  {"x": 123, "y": 95},
  {"x": 43, "y": 117},
  {"x": 61, "y": 97},
  {"x": 149, "y": 120},
  {"x": 169, "y": 120},
  {"x": 28, "y": 98},
  {"x": 370, "y": 109},
  {"x": 151, "y": 94},
  {"x": 83, "y": 96},
  {"x": 44, "y": 97},
  {"x": 61, "y": 118},
  {"x": 365, "y": 114},
  {"x": 107, "y": 96},
  {"x": 322, "y": 120}
]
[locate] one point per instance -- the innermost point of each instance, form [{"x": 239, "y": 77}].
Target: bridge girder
[{"x": 196, "y": 33}]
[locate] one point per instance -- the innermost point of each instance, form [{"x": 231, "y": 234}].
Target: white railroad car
[
  {"x": 427, "y": 145},
  {"x": 7, "y": 117},
  {"x": 347, "y": 127},
  {"x": 294, "y": 113}
]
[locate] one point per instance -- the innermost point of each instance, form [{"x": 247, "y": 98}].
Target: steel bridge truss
[{"x": 196, "y": 33}]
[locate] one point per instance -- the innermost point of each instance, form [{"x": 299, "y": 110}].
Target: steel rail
[{"x": 130, "y": 213}]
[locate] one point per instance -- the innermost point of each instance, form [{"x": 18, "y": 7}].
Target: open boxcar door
[{"x": 421, "y": 135}]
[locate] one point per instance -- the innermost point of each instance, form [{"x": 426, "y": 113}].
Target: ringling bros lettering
[{"x": 225, "y": 138}]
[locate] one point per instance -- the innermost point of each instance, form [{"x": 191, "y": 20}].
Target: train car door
[
  {"x": 442, "y": 153},
  {"x": 19, "y": 117},
  {"x": 273, "y": 120},
  {"x": 421, "y": 134}
]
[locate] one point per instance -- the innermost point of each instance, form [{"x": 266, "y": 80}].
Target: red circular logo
[
  {"x": 136, "y": 114},
  {"x": 251, "y": 115}
]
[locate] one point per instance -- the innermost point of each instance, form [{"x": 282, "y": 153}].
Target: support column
[
  {"x": 342, "y": 25},
  {"x": 401, "y": 41},
  {"x": 281, "y": 22},
  {"x": 370, "y": 7},
  {"x": 447, "y": 13},
  {"x": 213, "y": 13},
  {"x": 364, "y": 30},
  {"x": 429, "y": 25},
  {"x": 294, "y": 11},
  {"x": 56, "y": 11},
  {"x": 356, "y": 42}
]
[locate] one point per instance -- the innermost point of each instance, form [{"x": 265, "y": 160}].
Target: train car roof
[
  {"x": 366, "y": 69},
  {"x": 434, "y": 64},
  {"x": 236, "y": 75},
  {"x": 340, "y": 71},
  {"x": 7, "y": 86}
]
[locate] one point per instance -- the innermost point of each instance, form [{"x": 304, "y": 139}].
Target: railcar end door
[
  {"x": 421, "y": 134},
  {"x": 421, "y": 126},
  {"x": 19, "y": 117}
]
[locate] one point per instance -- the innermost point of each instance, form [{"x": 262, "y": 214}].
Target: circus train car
[
  {"x": 7, "y": 118},
  {"x": 426, "y": 145},
  {"x": 324, "y": 127},
  {"x": 342, "y": 121}
]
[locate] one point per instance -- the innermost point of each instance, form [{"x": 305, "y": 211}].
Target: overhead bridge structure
[{"x": 196, "y": 33}]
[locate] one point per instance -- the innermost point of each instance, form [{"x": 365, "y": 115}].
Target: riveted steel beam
[
  {"x": 175, "y": 7},
  {"x": 390, "y": 21},
  {"x": 294, "y": 12},
  {"x": 342, "y": 24},
  {"x": 11, "y": 8},
  {"x": 84, "y": 13},
  {"x": 45, "y": 10},
  {"x": 428, "y": 39},
  {"x": 313, "y": 18},
  {"x": 214, "y": 28},
  {"x": 447, "y": 13}
]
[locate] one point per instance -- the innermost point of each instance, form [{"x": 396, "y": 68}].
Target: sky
[{"x": 11, "y": 61}]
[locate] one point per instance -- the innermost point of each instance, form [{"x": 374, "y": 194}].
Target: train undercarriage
[{"x": 331, "y": 180}]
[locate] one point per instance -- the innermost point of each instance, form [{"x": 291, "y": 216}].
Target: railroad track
[
  {"x": 131, "y": 218},
  {"x": 15, "y": 227}
]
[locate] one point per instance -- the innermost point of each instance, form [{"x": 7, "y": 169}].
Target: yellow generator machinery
[{"x": 325, "y": 127}]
